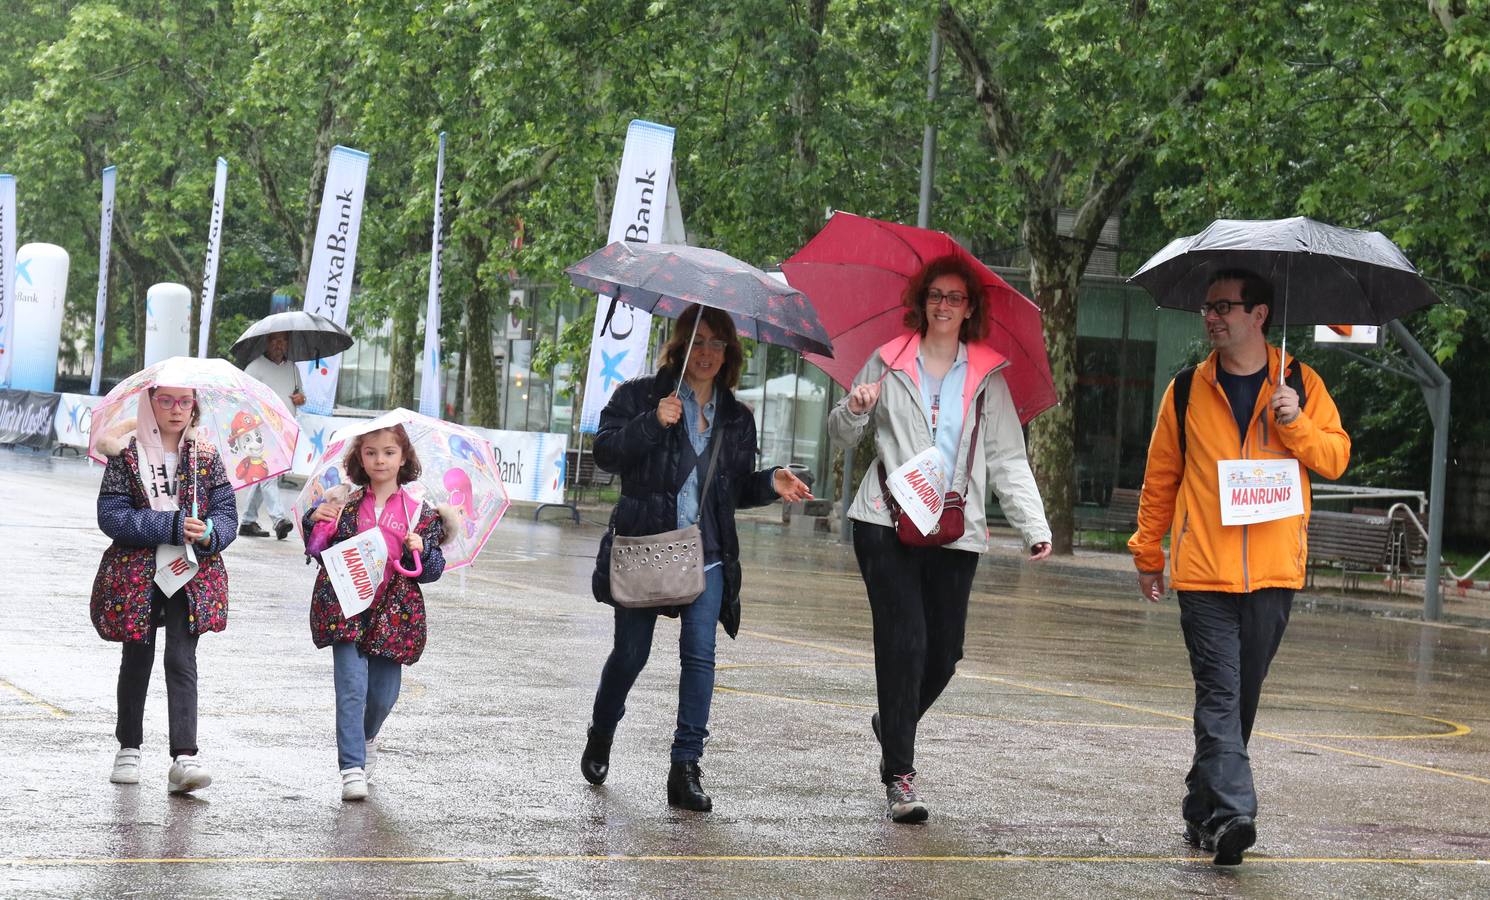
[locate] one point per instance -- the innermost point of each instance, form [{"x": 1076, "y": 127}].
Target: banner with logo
[
  {"x": 7, "y": 271},
  {"x": 36, "y": 317},
  {"x": 315, "y": 435},
  {"x": 532, "y": 463},
  {"x": 214, "y": 243},
  {"x": 618, "y": 346},
  {"x": 431, "y": 397},
  {"x": 73, "y": 419},
  {"x": 328, "y": 288},
  {"x": 26, "y": 417},
  {"x": 101, "y": 305}
]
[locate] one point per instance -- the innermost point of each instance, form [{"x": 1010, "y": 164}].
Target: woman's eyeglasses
[
  {"x": 955, "y": 299},
  {"x": 717, "y": 346},
  {"x": 169, "y": 403}
]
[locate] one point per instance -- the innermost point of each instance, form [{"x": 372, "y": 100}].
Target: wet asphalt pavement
[{"x": 1053, "y": 764}]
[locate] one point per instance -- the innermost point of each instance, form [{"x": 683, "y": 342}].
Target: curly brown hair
[
  {"x": 974, "y": 327},
  {"x": 723, "y": 327},
  {"x": 407, "y": 472}
]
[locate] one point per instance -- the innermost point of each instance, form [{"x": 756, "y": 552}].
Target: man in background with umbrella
[
  {"x": 282, "y": 376},
  {"x": 1235, "y": 581}
]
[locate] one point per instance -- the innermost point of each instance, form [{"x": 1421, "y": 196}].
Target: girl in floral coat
[
  {"x": 168, "y": 506},
  {"x": 369, "y": 649}
]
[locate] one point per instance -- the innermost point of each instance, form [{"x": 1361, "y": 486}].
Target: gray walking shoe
[{"x": 904, "y": 804}]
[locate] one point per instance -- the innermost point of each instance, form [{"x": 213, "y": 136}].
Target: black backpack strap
[{"x": 1182, "y": 402}]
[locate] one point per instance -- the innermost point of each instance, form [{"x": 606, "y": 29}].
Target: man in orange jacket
[{"x": 1235, "y": 582}]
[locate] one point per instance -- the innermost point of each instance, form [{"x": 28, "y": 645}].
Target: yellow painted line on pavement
[
  {"x": 1384, "y": 760},
  {"x": 1253, "y": 860},
  {"x": 54, "y": 711}
]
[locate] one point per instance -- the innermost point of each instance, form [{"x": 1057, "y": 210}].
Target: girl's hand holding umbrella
[
  {"x": 194, "y": 529},
  {"x": 326, "y": 512},
  {"x": 414, "y": 543}
]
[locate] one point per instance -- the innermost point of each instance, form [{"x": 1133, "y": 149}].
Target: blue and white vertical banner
[
  {"x": 618, "y": 346},
  {"x": 101, "y": 305},
  {"x": 7, "y": 272},
  {"x": 328, "y": 287},
  {"x": 214, "y": 245},
  {"x": 530, "y": 463},
  {"x": 431, "y": 393}
]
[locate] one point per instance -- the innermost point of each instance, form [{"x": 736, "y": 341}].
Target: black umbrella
[
  {"x": 311, "y": 337},
  {"x": 665, "y": 279},
  {"x": 1321, "y": 274}
]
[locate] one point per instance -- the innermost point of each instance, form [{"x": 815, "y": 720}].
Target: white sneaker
[
  {"x": 353, "y": 784},
  {"x": 370, "y": 759},
  {"x": 126, "y": 766},
  {"x": 187, "y": 775}
]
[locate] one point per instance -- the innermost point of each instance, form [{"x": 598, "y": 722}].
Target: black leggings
[
  {"x": 918, "y": 597},
  {"x": 181, "y": 679}
]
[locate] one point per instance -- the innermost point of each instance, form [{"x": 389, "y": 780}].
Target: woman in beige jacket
[{"x": 939, "y": 385}]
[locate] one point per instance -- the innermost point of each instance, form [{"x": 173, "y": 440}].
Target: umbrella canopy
[
  {"x": 311, "y": 337},
  {"x": 665, "y": 279},
  {"x": 856, "y": 269},
  {"x": 458, "y": 468},
  {"x": 1321, "y": 274},
  {"x": 241, "y": 417}
]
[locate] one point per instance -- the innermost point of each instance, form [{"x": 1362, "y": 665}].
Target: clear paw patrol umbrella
[{"x": 240, "y": 416}]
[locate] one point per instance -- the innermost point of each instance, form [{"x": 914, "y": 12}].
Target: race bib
[
  {"x": 174, "y": 567},
  {"x": 920, "y": 486},
  {"x": 355, "y": 567},
  {"x": 1259, "y": 490}
]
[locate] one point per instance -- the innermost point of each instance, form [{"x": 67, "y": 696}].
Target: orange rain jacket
[{"x": 1182, "y": 496}]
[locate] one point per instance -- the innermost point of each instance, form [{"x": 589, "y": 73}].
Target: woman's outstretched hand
[
  {"x": 1040, "y": 551},
  {"x": 789, "y": 487}
]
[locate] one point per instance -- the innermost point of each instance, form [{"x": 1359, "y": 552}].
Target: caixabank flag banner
[
  {"x": 7, "y": 271},
  {"x": 618, "y": 345},
  {"x": 328, "y": 288},
  {"x": 531, "y": 463}
]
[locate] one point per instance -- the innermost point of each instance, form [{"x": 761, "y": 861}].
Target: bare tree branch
[{"x": 989, "y": 93}]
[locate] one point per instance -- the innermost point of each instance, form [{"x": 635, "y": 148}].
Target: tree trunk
[
  {"x": 403, "y": 355},
  {"x": 1055, "y": 283},
  {"x": 485, "y": 398}
]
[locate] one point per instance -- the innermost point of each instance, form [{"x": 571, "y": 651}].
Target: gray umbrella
[
  {"x": 1321, "y": 274},
  {"x": 311, "y": 337}
]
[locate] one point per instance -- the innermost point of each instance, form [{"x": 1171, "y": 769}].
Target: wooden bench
[
  {"x": 580, "y": 472},
  {"x": 1353, "y": 542},
  {"x": 1120, "y": 513}
]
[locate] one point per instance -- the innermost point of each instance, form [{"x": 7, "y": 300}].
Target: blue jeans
[
  {"x": 696, "y": 682},
  {"x": 366, "y": 689}
]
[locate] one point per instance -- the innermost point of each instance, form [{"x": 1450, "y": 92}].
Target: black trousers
[
  {"x": 181, "y": 678},
  {"x": 1232, "y": 638},
  {"x": 918, "y": 599}
]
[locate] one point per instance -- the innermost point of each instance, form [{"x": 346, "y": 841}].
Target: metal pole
[
  {"x": 928, "y": 139},
  {"x": 1435, "y": 385}
]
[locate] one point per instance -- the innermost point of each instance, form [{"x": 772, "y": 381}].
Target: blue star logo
[
  {"x": 21, "y": 266},
  {"x": 610, "y": 368},
  {"x": 318, "y": 442},
  {"x": 75, "y": 415},
  {"x": 561, "y": 462}
]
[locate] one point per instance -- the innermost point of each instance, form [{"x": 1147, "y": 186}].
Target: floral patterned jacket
[
  {"x": 120, "y": 605},
  {"x": 394, "y": 627}
]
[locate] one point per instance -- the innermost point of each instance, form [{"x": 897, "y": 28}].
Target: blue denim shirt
[
  {"x": 948, "y": 431},
  {"x": 688, "y": 510}
]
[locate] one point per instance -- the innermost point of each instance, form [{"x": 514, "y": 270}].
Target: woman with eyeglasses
[
  {"x": 658, "y": 433},
  {"x": 166, "y": 502},
  {"x": 936, "y": 386}
]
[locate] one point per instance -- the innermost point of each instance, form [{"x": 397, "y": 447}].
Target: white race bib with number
[
  {"x": 919, "y": 486},
  {"x": 174, "y": 567},
  {"x": 355, "y": 567}
]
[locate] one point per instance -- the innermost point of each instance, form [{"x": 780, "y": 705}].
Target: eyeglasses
[
  {"x": 955, "y": 299},
  {"x": 1220, "y": 308},
  {"x": 717, "y": 346},
  {"x": 169, "y": 403}
]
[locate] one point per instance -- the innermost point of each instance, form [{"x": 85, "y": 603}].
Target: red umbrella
[{"x": 855, "y": 271}]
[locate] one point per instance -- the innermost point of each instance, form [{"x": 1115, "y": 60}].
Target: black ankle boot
[
  {"x": 595, "y": 763},
  {"x": 684, "y": 789}
]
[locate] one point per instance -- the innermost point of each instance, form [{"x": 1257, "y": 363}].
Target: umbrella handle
[{"x": 412, "y": 573}]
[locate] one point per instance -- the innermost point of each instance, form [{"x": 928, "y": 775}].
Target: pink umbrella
[
  {"x": 459, "y": 469},
  {"x": 240, "y": 416},
  {"x": 855, "y": 271}
]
